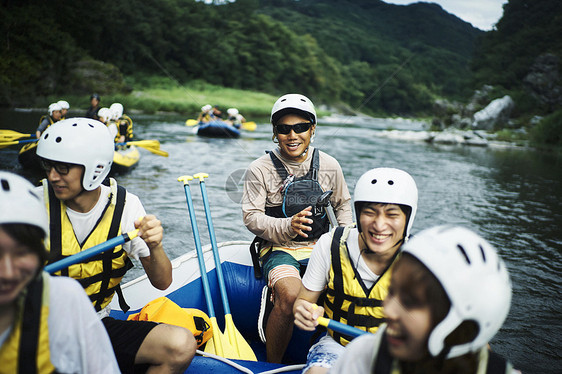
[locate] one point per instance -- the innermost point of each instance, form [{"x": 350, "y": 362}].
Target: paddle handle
[
  {"x": 90, "y": 252},
  {"x": 202, "y": 268},
  {"x": 218, "y": 266},
  {"x": 342, "y": 328}
]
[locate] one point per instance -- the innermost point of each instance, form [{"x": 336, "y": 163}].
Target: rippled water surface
[{"x": 512, "y": 197}]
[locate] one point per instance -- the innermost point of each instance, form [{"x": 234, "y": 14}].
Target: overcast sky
[{"x": 482, "y": 14}]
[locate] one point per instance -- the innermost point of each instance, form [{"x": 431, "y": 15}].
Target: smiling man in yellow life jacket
[
  {"x": 42, "y": 327},
  {"x": 76, "y": 156},
  {"x": 354, "y": 263}
]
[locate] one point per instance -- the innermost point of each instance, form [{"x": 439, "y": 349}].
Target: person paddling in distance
[
  {"x": 206, "y": 114},
  {"x": 449, "y": 294},
  {"x": 353, "y": 263},
  {"x": 235, "y": 118},
  {"x": 47, "y": 324},
  {"x": 77, "y": 155},
  {"x": 65, "y": 106},
  {"x": 55, "y": 112},
  {"x": 281, "y": 214}
]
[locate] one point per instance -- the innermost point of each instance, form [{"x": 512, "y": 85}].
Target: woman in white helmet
[
  {"x": 354, "y": 263},
  {"x": 449, "y": 294},
  {"x": 281, "y": 191},
  {"x": 72, "y": 340},
  {"x": 76, "y": 156},
  {"x": 55, "y": 113},
  {"x": 65, "y": 106}
]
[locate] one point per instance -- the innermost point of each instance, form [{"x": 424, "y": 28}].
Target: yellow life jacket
[
  {"x": 124, "y": 127},
  {"x": 348, "y": 300},
  {"x": 164, "y": 310},
  {"x": 99, "y": 275},
  {"x": 26, "y": 350}
]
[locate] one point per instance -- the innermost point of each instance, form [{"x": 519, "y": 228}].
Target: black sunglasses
[
  {"x": 61, "y": 167},
  {"x": 297, "y": 128}
]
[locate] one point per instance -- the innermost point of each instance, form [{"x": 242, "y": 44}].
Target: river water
[{"x": 512, "y": 197}]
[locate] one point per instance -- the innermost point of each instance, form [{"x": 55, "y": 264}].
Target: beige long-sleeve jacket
[{"x": 262, "y": 188}]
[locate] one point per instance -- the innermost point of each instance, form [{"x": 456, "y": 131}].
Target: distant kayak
[{"x": 125, "y": 159}]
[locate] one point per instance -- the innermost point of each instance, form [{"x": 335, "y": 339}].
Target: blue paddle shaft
[
  {"x": 90, "y": 252},
  {"x": 344, "y": 329},
  {"x": 198, "y": 248},
  {"x": 218, "y": 265}
]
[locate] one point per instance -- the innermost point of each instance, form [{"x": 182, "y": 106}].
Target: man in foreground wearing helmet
[
  {"x": 354, "y": 263},
  {"x": 76, "y": 156},
  {"x": 72, "y": 340},
  {"x": 55, "y": 113},
  {"x": 92, "y": 111},
  {"x": 206, "y": 114},
  {"x": 449, "y": 294},
  {"x": 281, "y": 190}
]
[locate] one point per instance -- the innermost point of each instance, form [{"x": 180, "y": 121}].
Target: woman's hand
[{"x": 306, "y": 314}]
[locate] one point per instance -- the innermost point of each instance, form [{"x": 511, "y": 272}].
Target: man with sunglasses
[
  {"x": 76, "y": 155},
  {"x": 281, "y": 190}
]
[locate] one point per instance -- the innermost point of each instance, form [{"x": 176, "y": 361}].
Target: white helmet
[
  {"x": 117, "y": 110},
  {"x": 232, "y": 111},
  {"x": 20, "y": 203},
  {"x": 64, "y": 104},
  {"x": 474, "y": 278},
  {"x": 293, "y": 103},
  {"x": 105, "y": 113},
  {"x": 53, "y": 107},
  {"x": 82, "y": 141},
  {"x": 206, "y": 108},
  {"x": 390, "y": 186}
]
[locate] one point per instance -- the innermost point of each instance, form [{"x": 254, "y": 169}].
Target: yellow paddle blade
[
  {"x": 237, "y": 341},
  {"x": 219, "y": 344},
  {"x": 153, "y": 146},
  {"x": 191, "y": 122},
  {"x": 9, "y": 135},
  {"x": 249, "y": 126},
  {"x": 7, "y": 144},
  {"x": 149, "y": 143}
]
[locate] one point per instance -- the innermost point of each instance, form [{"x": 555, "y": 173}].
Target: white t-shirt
[
  {"x": 77, "y": 339},
  {"x": 82, "y": 223},
  {"x": 318, "y": 269}
]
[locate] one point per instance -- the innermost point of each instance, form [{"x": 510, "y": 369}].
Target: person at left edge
[
  {"x": 76, "y": 156},
  {"x": 47, "y": 324}
]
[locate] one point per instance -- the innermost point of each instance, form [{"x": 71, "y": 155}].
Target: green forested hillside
[{"x": 375, "y": 57}]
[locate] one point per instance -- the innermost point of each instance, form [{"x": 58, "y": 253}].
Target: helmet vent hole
[
  {"x": 283, "y": 100},
  {"x": 58, "y": 139},
  {"x": 483, "y": 254},
  {"x": 460, "y": 247},
  {"x": 91, "y": 126},
  {"x": 74, "y": 125},
  {"x": 5, "y": 185},
  {"x": 374, "y": 181},
  {"x": 391, "y": 182},
  {"x": 46, "y": 136}
]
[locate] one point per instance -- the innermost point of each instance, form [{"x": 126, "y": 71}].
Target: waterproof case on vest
[{"x": 299, "y": 193}]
